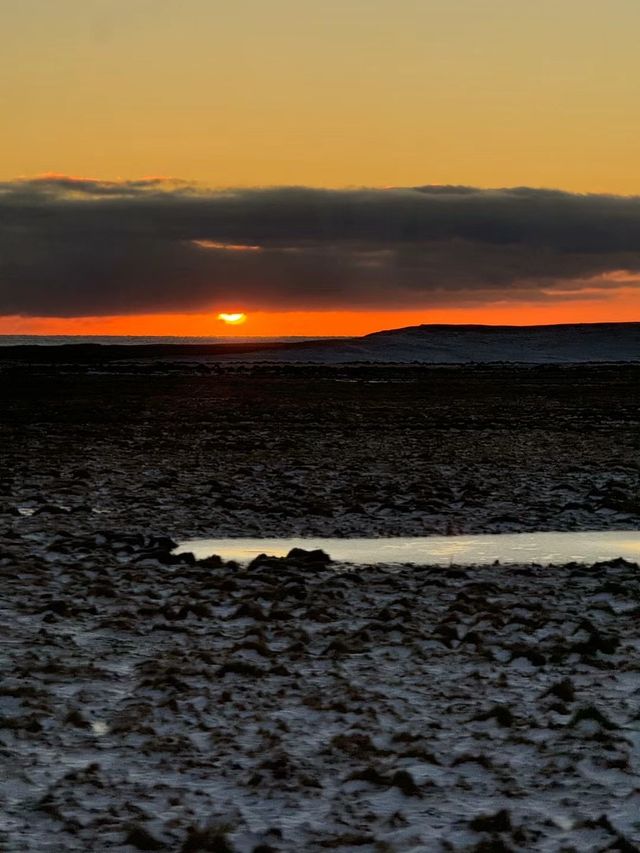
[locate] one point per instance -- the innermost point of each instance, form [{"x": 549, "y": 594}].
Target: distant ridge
[
  {"x": 486, "y": 327},
  {"x": 564, "y": 343}
]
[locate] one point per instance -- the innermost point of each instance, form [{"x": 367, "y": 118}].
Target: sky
[{"x": 365, "y": 102}]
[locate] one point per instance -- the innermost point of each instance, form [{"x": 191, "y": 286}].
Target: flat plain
[{"x": 155, "y": 702}]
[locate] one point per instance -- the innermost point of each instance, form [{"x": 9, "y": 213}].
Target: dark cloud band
[{"x": 71, "y": 247}]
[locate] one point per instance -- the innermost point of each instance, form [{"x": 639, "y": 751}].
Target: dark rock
[
  {"x": 495, "y": 845},
  {"x": 279, "y": 766},
  {"x": 264, "y": 561},
  {"x": 57, "y": 606},
  {"x": 51, "y": 509},
  {"x": 252, "y": 610},
  {"x": 240, "y": 667},
  {"x": 404, "y": 780},
  {"x": 401, "y": 779},
  {"x": 564, "y": 690},
  {"x": 500, "y": 713},
  {"x": 169, "y": 559},
  {"x": 200, "y": 609},
  {"x": 617, "y": 563},
  {"x": 356, "y": 744},
  {"x": 75, "y": 718},
  {"x": 162, "y": 543},
  {"x": 371, "y": 775},
  {"x": 498, "y": 822},
  {"x": 596, "y": 641},
  {"x": 534, "y": 656},
  {"x": 590, "y": 712},
  {"x": 316, "y": 557},
  {"x": 212, "y": 562},
  {"x": 141, "y": 839},
  {"x": 209, "y": 839}
]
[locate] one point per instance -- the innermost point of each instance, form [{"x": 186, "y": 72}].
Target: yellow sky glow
[{"x": 367, "y": 92}]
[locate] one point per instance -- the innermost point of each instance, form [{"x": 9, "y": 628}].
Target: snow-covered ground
[
  {"x": 154, "y": 705},
  {"x": 149, "y": 702}
]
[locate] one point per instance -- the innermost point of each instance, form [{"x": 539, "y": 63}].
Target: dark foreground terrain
[
  {"x": 229, "y": 449},
  {"x": 149, "y": 702}
]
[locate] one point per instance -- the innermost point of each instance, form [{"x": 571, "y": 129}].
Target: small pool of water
[{"x": 543, "y": 548}]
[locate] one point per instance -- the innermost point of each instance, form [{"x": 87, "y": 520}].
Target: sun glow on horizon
[
  {"x": 234, "y": 319},
  {"x": 620, "y": 305}
]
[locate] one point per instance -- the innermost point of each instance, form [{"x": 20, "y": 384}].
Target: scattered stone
[
  {"x": 141, "y": 839},
  {"x": 498, "y": 822}
]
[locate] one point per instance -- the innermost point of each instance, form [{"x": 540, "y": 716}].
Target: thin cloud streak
[{"x": 77, "y": 247}]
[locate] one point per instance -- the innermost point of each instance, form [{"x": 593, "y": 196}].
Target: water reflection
[{"x": 544, "y": 548}]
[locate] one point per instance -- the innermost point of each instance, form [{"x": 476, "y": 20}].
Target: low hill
[
  {"x": 431, "y": 344},
  {"x": 451, "y": 344},
  {"x": 568, "y": 343}
]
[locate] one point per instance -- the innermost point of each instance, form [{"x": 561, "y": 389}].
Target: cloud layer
[{"x": 73, "y": 247}]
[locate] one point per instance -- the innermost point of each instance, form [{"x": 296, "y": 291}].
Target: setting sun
[{"x": 233, "y": 319}]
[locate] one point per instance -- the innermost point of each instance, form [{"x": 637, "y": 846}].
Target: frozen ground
[
  {"x": 149, "y": 703},
  {"x": 223, "y": 450}
]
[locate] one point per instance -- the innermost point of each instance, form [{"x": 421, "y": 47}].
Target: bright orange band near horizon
[{"x": 617, "y": 307}]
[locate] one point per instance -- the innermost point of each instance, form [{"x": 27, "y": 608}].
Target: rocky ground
[
  {"x": 149, "y": 702},
  {"x": 224, "y": 449}
]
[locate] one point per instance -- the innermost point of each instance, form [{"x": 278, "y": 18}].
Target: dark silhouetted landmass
[{"x": 427, "y": 344}]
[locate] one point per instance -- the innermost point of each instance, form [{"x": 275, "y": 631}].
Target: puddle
[{"x": 544, "y": 548}]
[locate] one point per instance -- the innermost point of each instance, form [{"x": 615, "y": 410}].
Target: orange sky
[
  {"x": 486, "y": 93},
  {"x": 620, "y": 307}
]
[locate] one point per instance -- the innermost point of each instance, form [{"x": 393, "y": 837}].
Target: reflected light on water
[{"x": 544, "y": 548}]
